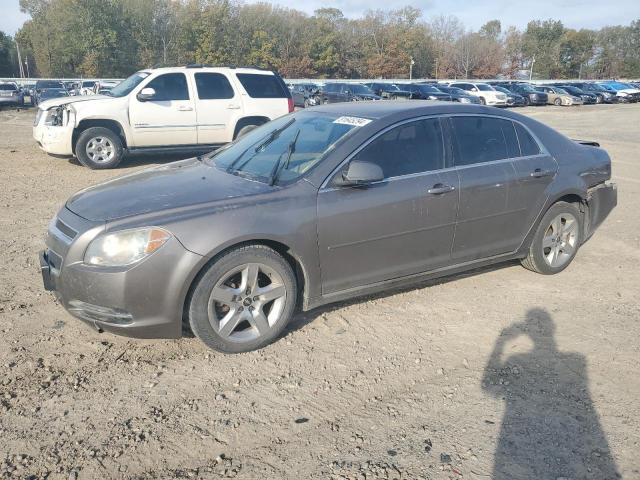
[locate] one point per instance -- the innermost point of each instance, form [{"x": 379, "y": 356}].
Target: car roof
[
  {"x": 197, "y": 68},
  {"x": 404, "y": 109}
]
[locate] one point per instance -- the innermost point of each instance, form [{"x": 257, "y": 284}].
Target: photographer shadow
[{"x": 550, "y": 427}]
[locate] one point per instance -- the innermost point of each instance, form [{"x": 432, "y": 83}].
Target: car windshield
[
  {"x": 88, "y": 84},
  {"x": 428, "y": 89},
  {"x": 286, "y": 148},
  {"x": 573, "y": 90},
  {"x": 527, "y": 89},
  {"x": 391, "y": 87},
  {"x": 501, "y": 89},
  {"x": 484, "y": 87},
  {"x": 561, "y": 91},
  {"x": 357, "y": 88},
  {"x": 125, "y": 87},
  {"x": 7, "y": 86},
  {"x": 55, "y": 92},
  {"x": 454, "y": 90}
]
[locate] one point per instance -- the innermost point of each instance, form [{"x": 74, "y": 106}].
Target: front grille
[{"x": 66, "y": 229}]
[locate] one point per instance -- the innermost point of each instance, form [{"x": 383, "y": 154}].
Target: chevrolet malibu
[{"x": 320, "y": 206}]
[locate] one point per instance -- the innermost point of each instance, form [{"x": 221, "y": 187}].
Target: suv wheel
[
  {"x": 557, "y": 102},
  {"x": 244, "y": 300},
  {"x": 99, "y": 148},
  {"x": 556, "y": 240}
]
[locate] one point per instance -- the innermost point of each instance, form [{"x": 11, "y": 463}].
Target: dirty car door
[{"x": 399, "y": 226}]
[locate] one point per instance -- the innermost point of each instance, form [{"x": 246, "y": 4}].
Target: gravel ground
[{"x": 499, "y": 374}]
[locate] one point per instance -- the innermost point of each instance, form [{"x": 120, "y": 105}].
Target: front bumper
[
  {"x": 144, "y": 300},
  {"x": 54, "y": 140}
]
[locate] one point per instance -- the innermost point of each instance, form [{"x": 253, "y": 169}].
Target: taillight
[{"x": 290, "y": 104}]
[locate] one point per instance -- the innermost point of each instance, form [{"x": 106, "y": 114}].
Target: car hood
[
  {"x": 57, "y": 102},
  {"x": 187, "y": 183}
]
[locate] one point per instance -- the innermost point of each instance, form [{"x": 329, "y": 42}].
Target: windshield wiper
[
  {"x": 273, "y": 136},
  {"x": 275, "y": 171}
]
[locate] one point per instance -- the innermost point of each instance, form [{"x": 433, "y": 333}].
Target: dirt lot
[{"x": 499, "y": 374}]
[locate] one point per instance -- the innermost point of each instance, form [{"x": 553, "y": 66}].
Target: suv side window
[
  {"x": 409, "y": 148},
  {"x": 263, "y": 85},
  {"x": 528, "y": 146},
  {"x": 170, "y": 86},
  {"x": 212, "y": 86},
  {"x": 483, "y": 139}
]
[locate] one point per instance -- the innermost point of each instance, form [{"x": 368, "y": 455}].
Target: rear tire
[
  {"x": 556, "y": 241},
  {"x": 243, "y": 300},
  {"x": 99, "y": 148}
]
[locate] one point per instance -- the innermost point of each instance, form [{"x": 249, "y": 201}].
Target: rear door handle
[
  {"x": 185, "y": 108},
  {"x": 233, "y": 106},
  {"x": 539, "y": 173},
  {"x": 440, "y": 188}
]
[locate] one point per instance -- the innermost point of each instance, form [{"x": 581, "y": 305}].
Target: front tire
[
  {"x": 99, "y": 148},
  {"x": 556, "y": 241},
  {"x": 557, "y": 102},
  {"x": 243, "y": 300}
]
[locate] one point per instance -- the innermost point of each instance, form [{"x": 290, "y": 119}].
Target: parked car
[
  {"x": 86, "y": 87},
  {"x": 485, "y": 92},
  {"x": 424, "y": 91},
  {"x": 103, "y": 87},
  {"x": 513, "y": 99},
  {"x": 321, "y": 206},
  {"x": 11, "y": 95},
  {"x": 42, "y": 85},
  {"x": 346, "y": 92},
  {"x": 531, "y": 94},
  {"x": 587, "y": 98},
  {"x": 304, "y": 94},
  {"x": 388, "y": 91},
  {"x": 559, "y": 96},
  {"x": 184, "y": 108},
  {"x": 457, "y": 94},
  {"x": 624, "y": 93},
  {"x": 602, "y": 95},
  {"x": 52, "y": 93}
]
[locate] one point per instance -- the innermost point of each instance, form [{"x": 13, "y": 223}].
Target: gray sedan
[{"x": 319, "y": 206}]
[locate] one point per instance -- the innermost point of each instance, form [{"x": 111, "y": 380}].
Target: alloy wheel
[
  {"x": 100, "y": 149},
  {"x": 560, "y": 240},
  {"x": 247, "y": 302}
]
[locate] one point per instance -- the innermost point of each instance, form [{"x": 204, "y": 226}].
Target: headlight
[
  {"x": 125, "y": 247},
  {"x": 57, "y": 116},
  {"x": 432, "y": 97}
]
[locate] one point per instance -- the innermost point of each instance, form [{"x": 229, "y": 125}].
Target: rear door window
[
  {"x": 414, "y": 147},
  {"x": 262, "y": 86},
  {"x": 213, "y": 86},
  {"x": 483, "y": 139},
  {"x": 528, "y": 146}
]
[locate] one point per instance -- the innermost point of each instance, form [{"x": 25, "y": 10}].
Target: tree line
[{"x": 113, "y": 38}]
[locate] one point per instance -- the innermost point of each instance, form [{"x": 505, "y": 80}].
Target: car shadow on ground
[
  {"x": 304, "y": 318},
  {"x": 550, "y": 428}
]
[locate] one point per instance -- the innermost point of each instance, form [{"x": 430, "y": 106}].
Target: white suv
[
  {"x": 485, "y": 92},
  {"x": 184, "y": 108}
]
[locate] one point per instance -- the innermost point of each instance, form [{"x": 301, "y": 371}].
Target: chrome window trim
[{"x": 543, "y": 150}]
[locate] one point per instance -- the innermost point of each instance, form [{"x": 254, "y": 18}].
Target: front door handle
[
  {"x": 185, "y": 108},
  {"x": 539, "y": 173},
  {"x": 440, "y": 188},
  {"x": 233, "y": 106}
]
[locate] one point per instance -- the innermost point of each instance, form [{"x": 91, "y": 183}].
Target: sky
[{"x": 473, "y": 13}]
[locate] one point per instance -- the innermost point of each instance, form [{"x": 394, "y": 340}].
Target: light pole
[
  {"x": 533, "y": 61},
  {"x": 411, "y": 64},
  {"x": 26, "y": 63}
]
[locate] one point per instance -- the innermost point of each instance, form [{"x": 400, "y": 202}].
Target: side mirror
[
  {"x": 360, "y": 172},
  {"x": 146, "y": 94}
]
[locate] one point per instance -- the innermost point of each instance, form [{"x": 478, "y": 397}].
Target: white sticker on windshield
[{"x": 355, "y": 121}]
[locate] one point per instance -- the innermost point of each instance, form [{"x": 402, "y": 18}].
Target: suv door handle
[
  {"x": 539, "y": 173},
  {"x": 185, "y": 108},
  {"x": 233, "y": 106},
  {"x": 440, "y": 188}
]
